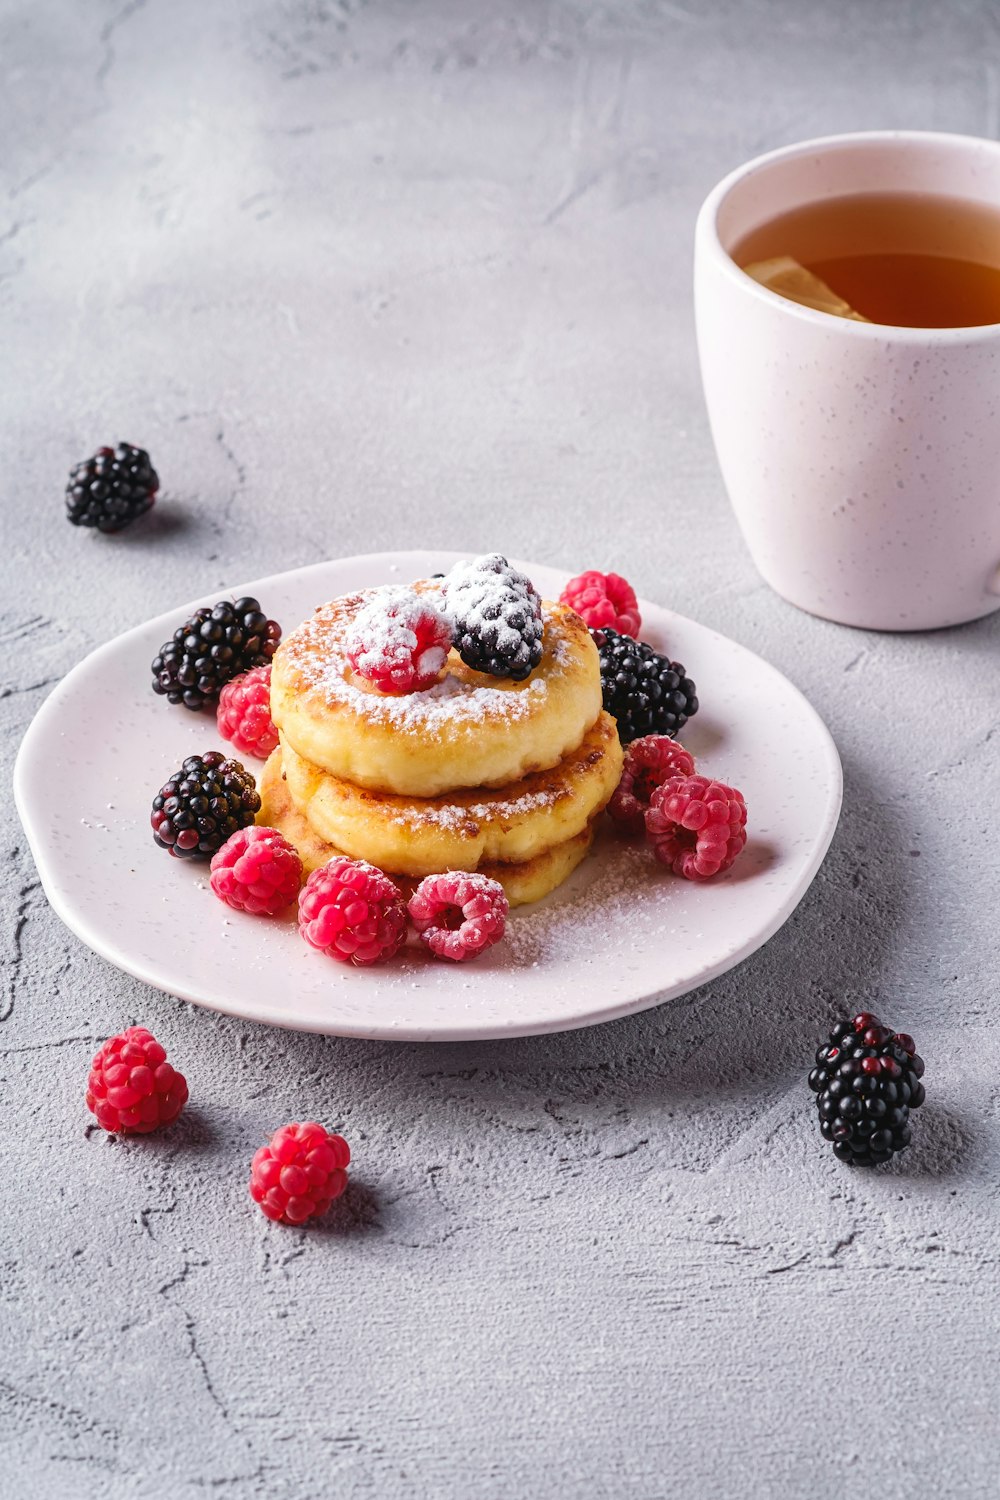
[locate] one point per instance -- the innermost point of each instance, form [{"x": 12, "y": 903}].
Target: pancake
[
  {"x": 523, "y": 883},
  {"x": 461, "y": 830},
  {"x": 467, "y": 730}
]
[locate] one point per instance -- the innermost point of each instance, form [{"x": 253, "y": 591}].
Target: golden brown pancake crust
[
  {"x": 523, "y": 882},
  {"x": 461, "y": 830}
]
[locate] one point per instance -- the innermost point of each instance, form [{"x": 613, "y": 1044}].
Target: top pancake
[{"x": 468, "y": 730}]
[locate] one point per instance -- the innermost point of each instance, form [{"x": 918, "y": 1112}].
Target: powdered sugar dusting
[
  {"x": 488, "y": 596},
  {"x": 616, "y": 893},
  {"x": 384, "y": 637},
  {"x": 319, "y": 650},
  {"x": 454, "y": 816},
  {"x": 490, "y": 576}
]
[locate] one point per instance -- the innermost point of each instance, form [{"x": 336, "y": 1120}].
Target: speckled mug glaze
[{"x": 862, "y": 461}]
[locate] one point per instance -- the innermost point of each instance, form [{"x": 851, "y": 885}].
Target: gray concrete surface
[{"x": 386, "y": 275}]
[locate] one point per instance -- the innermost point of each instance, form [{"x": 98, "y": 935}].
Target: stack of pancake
[{"x": 473, "y": 773}]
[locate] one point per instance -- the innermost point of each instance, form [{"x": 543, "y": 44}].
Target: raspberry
[
  {"x": 649, "y": 762},
  {"x": 204, "y": 802},
  {"x": 696, "y": 826},
  {"x": 132, "y": 1088},
  {"x": 257, "y": 871},
  {"x": 459, "y": 915},
  {"x": 602, "y": 599},
  {"x": 244, "y": 713},
  {"x": 867, "y": 1079},
  {"x": 399, "y": 641},
  {"x": 300, "y": 1171},
  {"x": 352, "y": 911}
]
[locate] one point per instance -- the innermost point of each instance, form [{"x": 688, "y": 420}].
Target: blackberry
[
  {"x": 647, "y": 693},
  {"x": 202, "y": 804},
  {"x": 866, "y": 1081},
  {"x": 209, "y": 650},
  {"x": 111, "y": 489},
  {"x": 497, "y": 617}
]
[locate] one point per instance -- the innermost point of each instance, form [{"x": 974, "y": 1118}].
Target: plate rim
[{"x": 120, "y": 960}]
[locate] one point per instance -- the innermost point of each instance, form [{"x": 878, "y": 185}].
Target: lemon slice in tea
[{"x": 785, "y": 276}]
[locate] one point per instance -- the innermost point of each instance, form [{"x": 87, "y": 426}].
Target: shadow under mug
[{"x": 862, "y": 461}]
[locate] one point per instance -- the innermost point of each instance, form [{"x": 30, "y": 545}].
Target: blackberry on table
[
  {"x": 111, "y": 489},
  {"x": 497, "y": 617},
  {"x": 866, "y": 1081},
  {"x": 202, "y": 805},
  {"x": 645, "y": 692},
  {"x": 217, "y": 644}
]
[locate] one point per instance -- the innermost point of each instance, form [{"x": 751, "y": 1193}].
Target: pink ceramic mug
[{"x": 862, "y": 461}]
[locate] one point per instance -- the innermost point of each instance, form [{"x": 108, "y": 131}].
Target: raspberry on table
[
  {"x": 399, "y": 640},
  {"x": 111, "y": 489},
  {"x": 645, "y": 693},
  {"x": 649, "y": 762},
  {"x": 300, "y": 1171},
  {"x": 696, "y": 826},
  {"x": 132, "y": 1089},
  {"x": 459, "y": 915},
  {"x": 202, "y": 805},
  {"x": 866, "y": 1081},
  {"x": 257, "y": 871},
  {"x": 218, "y": 643},
  {"x": 244, "y": 713},
  {"x": 352, "y": 911},
  {"x": 603, "y": 599},
  {"x": 497, "y": 617}
]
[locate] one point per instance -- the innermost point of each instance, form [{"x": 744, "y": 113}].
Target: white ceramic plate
[{"x": 619, "y": 936}]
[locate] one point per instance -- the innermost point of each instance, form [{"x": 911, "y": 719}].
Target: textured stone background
[{"x": 402, "y": 274}]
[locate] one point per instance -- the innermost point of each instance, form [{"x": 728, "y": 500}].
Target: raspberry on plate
[
  {"x": 352, "y": 911},
  {"x": 204, "y": 802},
  {"x": 300, "y": 1171},
  {"x": 602, "y": 599},
  {"x": 649, "y": 762},
  {"x": 399, "y": 641},
  {"x": 866, "y": 1080},
  {"x": 132, "y": 1089},
  {"x": 244, "y": 713},
  {"x": 459, "y": 915},
  {"x": 257, "y": 871},
  {"x": 696, "y": 826}
]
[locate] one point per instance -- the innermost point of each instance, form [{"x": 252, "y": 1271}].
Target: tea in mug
[{"x": 911, "y": 260}]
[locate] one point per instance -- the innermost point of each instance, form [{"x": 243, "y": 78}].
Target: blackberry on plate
[
  {"x": 866, "y": 1081},
  {"x": 645, "y": 692},
  {"x": 202, "y": 805},
  {"x": 111, "y": 489},
  {"x": 497, "y": 617},
  {"x": 217, "y": 644}
]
